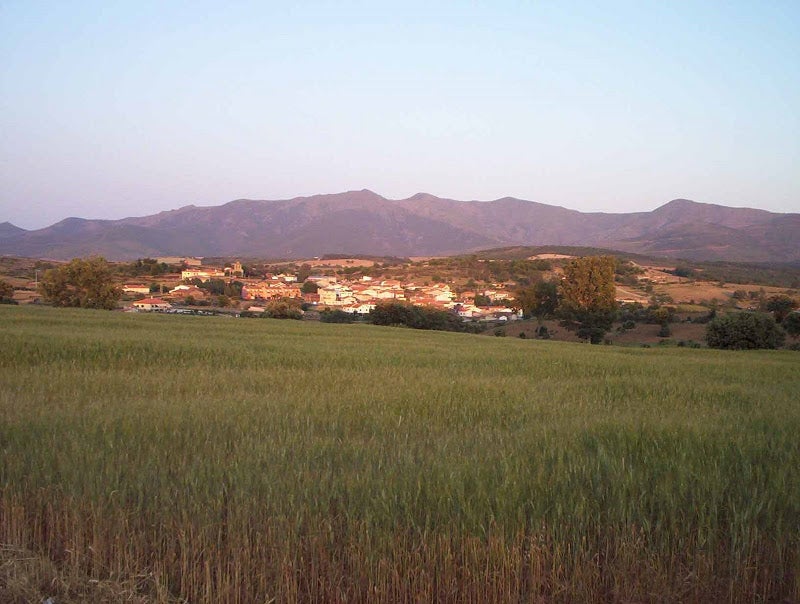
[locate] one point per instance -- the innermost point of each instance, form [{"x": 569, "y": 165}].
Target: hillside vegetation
[{"x": 158, "y": 458}]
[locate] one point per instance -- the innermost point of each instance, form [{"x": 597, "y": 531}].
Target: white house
[
  {"x": 359, "y": 309},
  {"x": 152, "y": 304}
]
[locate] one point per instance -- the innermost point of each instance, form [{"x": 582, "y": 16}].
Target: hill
[
  {"x": 8, "y": 230},
  {"x": 363, "y": 222}
]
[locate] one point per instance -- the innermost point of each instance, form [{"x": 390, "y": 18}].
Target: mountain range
[{"x": 364, "y": 223}]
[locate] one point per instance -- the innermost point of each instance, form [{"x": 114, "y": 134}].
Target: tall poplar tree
[{"x": 588, "y": 293}]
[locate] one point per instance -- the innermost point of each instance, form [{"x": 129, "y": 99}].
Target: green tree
[
  {"x": 792, "y": 324},
  {"x": 660, "y": 314},
  {"x": 744, "y": 331},
  {"x": 309, "y": 287},
  {"x": 539, "y": 299},
  {"x": 215, "y": 287},
  {"x": 588, "y": 294},
  {"x": 233, "y": 289},
  {"x": 144, "y": 266},
  {"x": 304, "y": 272},
  {"x": 83, "y": 282},
  {"x": 593, "y": 334},
  {"x": 780, "y": 306},
  {"x": 283, "y": 309},
  {"x": 6, "y": 291}
]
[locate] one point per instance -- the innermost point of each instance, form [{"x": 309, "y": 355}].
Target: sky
[{"x": 112, "y": 109}]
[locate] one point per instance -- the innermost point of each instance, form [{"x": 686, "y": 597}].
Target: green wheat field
[{"x": 152, "y": 458}]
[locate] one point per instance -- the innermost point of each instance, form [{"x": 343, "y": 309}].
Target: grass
[{"x": 219, "y": 460}]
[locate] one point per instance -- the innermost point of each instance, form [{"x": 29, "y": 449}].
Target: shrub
[
  {"x": 336, "y": 316},
  {"x": 792, "y": 324},
  {"x": 593, "y": 334},
  {"x": 744, "y": 331},
  {"x": 706, "y": 318},
  {"x": 282, "y": 309},
  {"x": 416, "y": 317}
]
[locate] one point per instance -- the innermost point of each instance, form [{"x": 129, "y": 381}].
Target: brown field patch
[
  {"x": 706, "y": 291},
  {"x": 341, "y": 262}
]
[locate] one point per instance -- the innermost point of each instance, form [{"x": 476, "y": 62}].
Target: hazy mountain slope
[
  {"x": 8, "y": 231},
  {"x": 362, "y": 222}
]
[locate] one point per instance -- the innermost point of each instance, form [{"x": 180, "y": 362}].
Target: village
[{"x": 356, "y": 296}]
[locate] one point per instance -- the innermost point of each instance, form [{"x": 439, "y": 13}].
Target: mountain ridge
[{"x": 364, "y": 222}]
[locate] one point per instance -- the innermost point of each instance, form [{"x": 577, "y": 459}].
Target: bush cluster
[
  {"x": 744, "y": 331},
  {"x": 336, "y": 316},
  {"x": 416, "y": 317}
]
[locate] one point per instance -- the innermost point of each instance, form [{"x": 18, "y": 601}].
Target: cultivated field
[{"x": 151, "y": 458}]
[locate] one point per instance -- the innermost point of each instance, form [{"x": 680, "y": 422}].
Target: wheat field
[{"x": 153, "y": 458}]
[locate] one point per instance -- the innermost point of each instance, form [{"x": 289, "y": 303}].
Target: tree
[
  {"x": 744, "y": 331},
  {"x": 417, "y": 317},
  {"x": 83, "y": 282},
  {"x": 304, "y": 272},
  {"x": 593, "y": 334},
  {"x": 283, "y": 309},
  {"x": 539, "y": 299},
  {"x": 792, "y": 324},
  {"x": 6, "y": 292},
  {"x": 215, "y": 287},
  {"x": 309, "y": 287},
  {"x": 144, "y": 266},
  {"x": 588, "y": 294},
  {"x": 780, "y": 306},
  {"x": 233, "y": 289}
]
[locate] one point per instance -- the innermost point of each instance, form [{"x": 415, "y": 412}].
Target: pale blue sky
[{"x": 111, "y": 109}]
